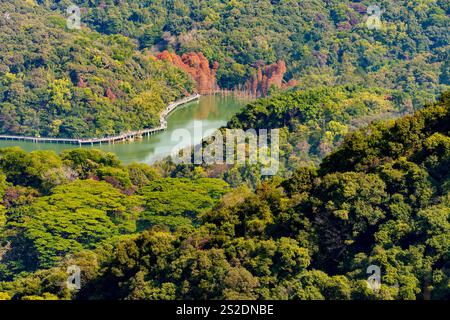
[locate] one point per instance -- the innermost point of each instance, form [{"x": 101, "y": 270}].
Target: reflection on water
[
  {"x": 208, "y": 108},
  {"x": 212, "y": 111}
]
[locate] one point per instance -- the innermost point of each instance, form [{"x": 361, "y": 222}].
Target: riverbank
[{"x": 132, "y": 135}]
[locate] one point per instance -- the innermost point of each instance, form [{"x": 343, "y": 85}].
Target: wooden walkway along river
[{"x": 122, "y": 137}]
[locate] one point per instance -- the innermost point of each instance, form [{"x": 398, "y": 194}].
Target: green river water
[{"x": 211, "y": 112}]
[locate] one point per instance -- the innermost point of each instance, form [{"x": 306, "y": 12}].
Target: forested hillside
[
  {"x": 58, "y": 82},
  {"x": 364, "y": 121},
  {"x": 321, "y": 42},
  {"x": 56, "y": 205},
  {"x": 106, "y": 78},
  {"x": 315, "y": 121},
  {"x": 382, "y": 198},
  {"x": 312, "y": 123}
]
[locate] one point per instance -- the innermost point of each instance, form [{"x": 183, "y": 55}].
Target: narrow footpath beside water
[{"x": 212, "y": 111}]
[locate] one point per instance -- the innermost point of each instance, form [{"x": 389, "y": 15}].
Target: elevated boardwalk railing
[{"x": 122, "y": 137}]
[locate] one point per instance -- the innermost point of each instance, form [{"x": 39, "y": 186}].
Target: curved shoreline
[{"x": 122, "y": 137}]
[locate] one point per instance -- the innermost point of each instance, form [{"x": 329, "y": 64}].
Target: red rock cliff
[
  {"x": 265, "y": 77},
  {"x": 197, "y": 66}
]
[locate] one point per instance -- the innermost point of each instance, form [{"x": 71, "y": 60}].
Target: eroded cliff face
[
  {"x": 196, "y": 64},
  {"x": 266, "y": 76},
  {"x": 258, "y": 85}
]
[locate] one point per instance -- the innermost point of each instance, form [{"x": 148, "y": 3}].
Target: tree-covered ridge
[
  {"x": 315, "y": 121},
  {"x": 312, "y": 124},
  {"x": 52, "y": 206},
  {"x": 322, "y": 42},
  {"x": 58, "y": 82},
  {"x": 378, "y": 143},
  {"x": 312, "y": 236}
]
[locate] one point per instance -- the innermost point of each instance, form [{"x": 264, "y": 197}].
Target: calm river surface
[{"x": 211, "y": 112}]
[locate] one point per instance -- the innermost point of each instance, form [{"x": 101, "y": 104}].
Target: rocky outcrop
[
  {"x": 265, "y": 77},
  {"x": 197, "y": 66}
]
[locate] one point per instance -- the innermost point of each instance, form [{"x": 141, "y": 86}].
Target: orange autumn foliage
[
  {"x": 267, "y": 76},
  {"x": 195, "y": 64}
]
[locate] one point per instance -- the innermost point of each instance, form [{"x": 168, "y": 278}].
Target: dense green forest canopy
[
  {"x": 364, "y": 178},
  {"x": 58, "y": 82},
  {"x": 382, "y": 198},
  {"x": 322, "y": 42},
  {"x": 314, "y": 121},
  {"x": 312, "y": 124},
  {"x": 56, "y": 205},
  {"x": 102, "y": 79}
]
